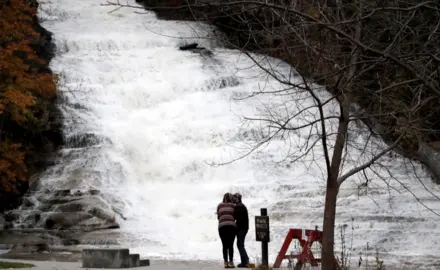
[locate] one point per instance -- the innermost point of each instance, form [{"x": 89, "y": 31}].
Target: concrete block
[
  {"x": 134, "y": 260},
  {"x": 145, "y": 262},
  {"x": 105, "y": 258}
]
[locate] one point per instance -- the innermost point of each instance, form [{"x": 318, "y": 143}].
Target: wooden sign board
[{"x": 262, "y": 231}]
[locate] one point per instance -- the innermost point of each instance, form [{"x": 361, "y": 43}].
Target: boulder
[
  {"x": 94, "y": 192},
  {"x": 59, "y": 199},
  {"x": 33, "y": 218},
  {"x": 134, "y": 260},
  {"x": 65, "y": 214},
  {"x": 62, "y": 192},
  {"x": 28, "y": 202},
  {"x": 45, "y": 207},
  {"x": 105, "y": 258},
  {"x": 8, "y": 225},
  {"x": 60, "y": 220},
  {"x": 69, "y": 207},
  {"x": 144, "y": 262},
  {"x": 70, "y": 242},
  {"x": 102, "y": 214},
  {"x": 93, "y": 224},
  {"x": 11, "y": 216},
  {"x": 188, "y": 46},
  {"x": 82, "y": 203}
]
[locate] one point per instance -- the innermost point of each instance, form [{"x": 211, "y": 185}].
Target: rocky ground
[
  {"x": 51, "y": 219},
  {"x": 61, "y": 210}
]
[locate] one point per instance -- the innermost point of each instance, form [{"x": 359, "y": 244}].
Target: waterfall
[{"x": 144, "y": 120}]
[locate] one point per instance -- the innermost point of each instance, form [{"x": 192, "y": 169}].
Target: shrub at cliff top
[{"x": 26, "y": 92}]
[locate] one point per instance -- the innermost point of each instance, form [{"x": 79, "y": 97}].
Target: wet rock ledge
[
  {"x": 62, "y": 210},
  {"x": 62, "y": 217}
]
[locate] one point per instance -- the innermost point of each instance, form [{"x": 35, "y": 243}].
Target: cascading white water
[{"x": 158, "y": 115}]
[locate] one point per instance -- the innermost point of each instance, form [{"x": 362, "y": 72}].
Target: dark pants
[
  {"x": 227, "y": 235},
  {"x": 241, "y": 235}
]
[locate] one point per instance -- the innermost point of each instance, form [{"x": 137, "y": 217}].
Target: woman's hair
[{"x": 227, "y": 198}]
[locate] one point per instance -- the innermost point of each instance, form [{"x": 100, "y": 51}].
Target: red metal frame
[{"x": 306, "y": 254}]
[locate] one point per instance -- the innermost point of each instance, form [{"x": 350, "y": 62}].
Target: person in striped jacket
[{"x": 227, "y": 228}]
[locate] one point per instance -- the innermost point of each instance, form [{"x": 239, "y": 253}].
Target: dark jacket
[{"x": 241, "y": 216}]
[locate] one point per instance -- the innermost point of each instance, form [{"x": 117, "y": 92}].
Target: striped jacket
[{"x": 225, "y": 214}]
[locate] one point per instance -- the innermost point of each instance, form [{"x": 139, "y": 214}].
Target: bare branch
[{"x": 355, "y": 170}]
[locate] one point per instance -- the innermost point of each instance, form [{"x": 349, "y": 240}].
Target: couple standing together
[{"x": 233, "y": 220}]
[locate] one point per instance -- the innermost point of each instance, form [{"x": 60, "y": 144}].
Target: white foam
[{"x": 162, "y": 116}]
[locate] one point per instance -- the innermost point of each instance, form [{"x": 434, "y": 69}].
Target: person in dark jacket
[
  {"x": 242, "y": 222},
  {"x": 227, "y": 228}
]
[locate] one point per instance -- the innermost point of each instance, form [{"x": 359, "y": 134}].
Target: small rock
[
  {"x": 42, "y": 247},
  {"x": 45, "y": 207},
  {"x": 11, "y": 216},
  {"x": 60, "y": 200},
  {"x": 94, "y": 192},
  {"x": 94, "y": 224},
  {"x": 8, "y": 225},
  {"x": 188, "y": 46},
  {"x": 70, "y": 207},
  {"x": 70, "y": 242},
  {"x": 62, "y": 192},
  {"x": 32, "y": 219},
  {"x": 102, "y": 214},
  {"x": 63, "y": 221},
  {"x": 202, "y": 51},
  {"x": 28, "y": 202},
  {"x": 5, "y": 246}
]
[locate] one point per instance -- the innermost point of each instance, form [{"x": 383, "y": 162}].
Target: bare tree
[
  {"x": 377, "y": 59},
  {"x": 390, "y": 74}
]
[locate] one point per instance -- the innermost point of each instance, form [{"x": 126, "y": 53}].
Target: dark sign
[{"x": 262, "y": 228}]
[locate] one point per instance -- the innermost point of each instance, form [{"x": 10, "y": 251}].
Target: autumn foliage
[{"x": 23, "y": 88}]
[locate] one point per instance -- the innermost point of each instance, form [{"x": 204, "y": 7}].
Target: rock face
[
  {"x": 62, "y": 210},
  {"x": 431, "y": 158},
  {"x": 49, "y": 219}
]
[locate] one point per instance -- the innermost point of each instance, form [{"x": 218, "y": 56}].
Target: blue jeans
[{"x": 241, "y": 235}]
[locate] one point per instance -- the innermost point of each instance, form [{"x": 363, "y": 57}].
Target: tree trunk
[
  {"x": 328, "y": 228},
  {"x": 327, "y": 256}
]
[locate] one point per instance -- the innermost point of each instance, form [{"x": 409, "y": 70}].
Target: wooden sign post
[{"x": 262, "y": 232}]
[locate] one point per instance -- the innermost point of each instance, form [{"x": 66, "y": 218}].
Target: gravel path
[{"x": 155, "y": 265}]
